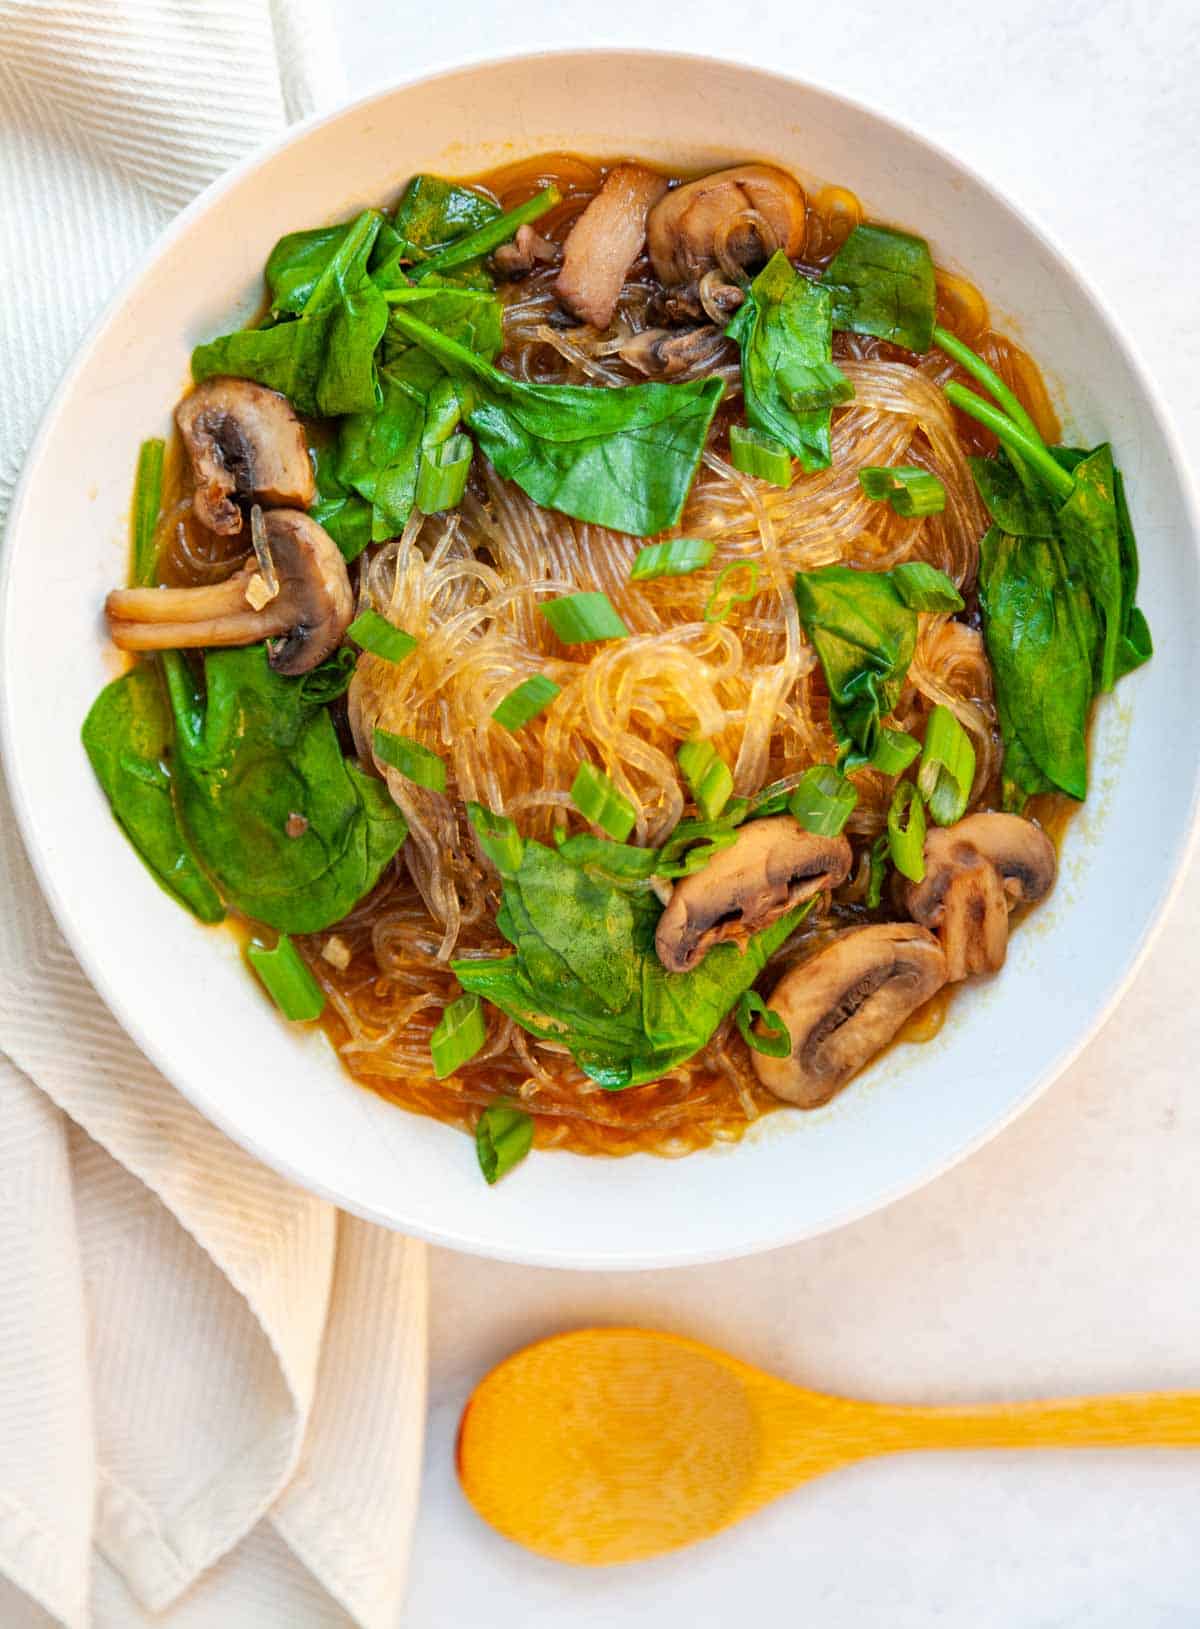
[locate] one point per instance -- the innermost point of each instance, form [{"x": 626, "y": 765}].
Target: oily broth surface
[{"x": 468, "y": 585}]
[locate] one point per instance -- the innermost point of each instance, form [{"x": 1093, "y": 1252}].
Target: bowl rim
[{"x": 125, "y": 1012}]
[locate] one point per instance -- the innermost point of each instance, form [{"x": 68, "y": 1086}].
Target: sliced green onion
[
  {"x": 894, "y": 751},
  {"x": 909, "y": 490},
  {"x": 708, "y": 775},
  {"x": 1017, "y": 440},
  {"x": 287, "y": 979},
  {"x": 147, "y": 501},
  {"x": 598, "y": 800},
  {"x": 491, "y": 235},
  {"x": 498, "y": 838},
  {"x": 906, "y": 831},
  {"x": 823, "y": 800},
  {"x": 693, "y": 844},
  {"x": 675, "y": 558},
  {"x": 987, "y": 377},
  {"x": 443, "y": 413},
  {"x": 622, "y": 862},
  {"x": 777, "y": 1042},
  {"x": 459, "y": 1035},
  {"x": 503, "y": 1137},
  {"x": 416, "y": 762},
  {"x": 372, "y": 632},
  {"x": 442, "y": 478},
  {"x": 579, "y": 618},
  {"x": 923, "y": 587},
  {"x": 759, "y": 455},
  {"x": 947, "y": 770},
  {"x": 531, "y": 697},
  {"x": 875, "y": 873},
  {"x": 719, "y": 605},
  {"x": 808, "y": 388}
]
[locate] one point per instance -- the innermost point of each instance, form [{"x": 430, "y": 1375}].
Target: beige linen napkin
[{"x": 211, "y": 1383}]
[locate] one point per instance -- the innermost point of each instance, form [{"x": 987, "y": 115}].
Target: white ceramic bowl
[{"x": 181, "y": 990}]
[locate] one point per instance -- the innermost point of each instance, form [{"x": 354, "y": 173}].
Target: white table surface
[{"x": 1062, "y": 1257}]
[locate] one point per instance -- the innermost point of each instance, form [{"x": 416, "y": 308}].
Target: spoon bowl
[{"x": 608, "y": 1445}]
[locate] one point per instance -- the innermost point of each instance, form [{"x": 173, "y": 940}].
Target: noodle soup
[{"x": 757, "y": 659}]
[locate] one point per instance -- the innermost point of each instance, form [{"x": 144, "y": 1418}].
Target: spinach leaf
[
  {"x": 339, "y": 509},
  {"x": 1014, "y": 500},
  {"x": 127, "y": 737},
  {"x": 1136, "y": 645},
  {"x": 254, "y": 751},
  {"x": 865, "y": 635},
  {"x": 586, "y": 973},
  {"x": 1091, "y": 541},
  {"x": 784, "y": 327},
  {"x": 379, "y": 453},
  {"x": 623, "y": 458},
  {"x": 323, "y": 361},
  {"x": 882, "y": 283},
  {"x": 432, "y": 213},
  {"x": 294, "y": 266},
  {"x": 1040, "y": 630}
]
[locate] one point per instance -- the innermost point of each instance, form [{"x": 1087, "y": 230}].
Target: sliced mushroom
[
  {"x": 711, "y": 297},
  {"x": 845, "y": 1004},
  {"x": 306, "y": 618},
  {"x": 975, "y": 872},
  {"x": 243, "y": 443},
  {"x": 605, "y": 241},
  {"x": 664, "y": 353},
  {"x": 773, "y": 866},
  {"x": 735, "y": 220},
  {"x": 526, "y": 250}
]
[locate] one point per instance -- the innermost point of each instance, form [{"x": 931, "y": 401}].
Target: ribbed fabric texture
[{"x": 211, "y": 1384}]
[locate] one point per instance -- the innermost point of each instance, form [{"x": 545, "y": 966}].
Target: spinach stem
[
  {"x": 1014, "y": 439},
  {"x": 988, "y": 378}
]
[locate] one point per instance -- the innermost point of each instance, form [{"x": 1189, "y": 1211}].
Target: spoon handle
[{"x": 1166, "y": 1419}]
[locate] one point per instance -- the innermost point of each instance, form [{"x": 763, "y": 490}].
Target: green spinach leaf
[
  {"x": 865, "y": 635},
  {"x": 1040, "y": 630},
  {"x": 882, "y": 283},
  {"x": 379, "y": 453},
  {"x": 1136, "y": 645},
  {"x": 127, "y": 737},
  {"x": 251, "y": 753},
  {"x": 296, "y": 263},
  {"x": 339, "y": 509},
  {"x": 1091, "y": 541},
  {"x": 585, "y": 971},
  {"x": 323, "y": 361},
  {"x": 623, "y": 458},
  {"x": 784, "y": 328}
]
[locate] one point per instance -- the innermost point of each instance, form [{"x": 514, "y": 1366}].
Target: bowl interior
[{"x": 181, "y": 990}]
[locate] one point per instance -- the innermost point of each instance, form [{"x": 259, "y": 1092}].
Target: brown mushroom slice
[
  {"x": 663, "y": 353},
  {"x": 605, "y": 241},
  {"x": 773, "y": 866},
  {"x": 975, "y": 872},
  {"x": 734, "y": 219},
  {"x": 243, "y": 442},
  {"x": 526, "y": 250},
  {"x": 305, "y": 618},
  {"x": 843, "y": 1006}
]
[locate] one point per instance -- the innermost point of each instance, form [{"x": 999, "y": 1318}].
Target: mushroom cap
[
  {"x": 305, "y": 619},
  {"x": 845, "y": 1004},
  {"x": 243, "y": 441},
  {"x": 772, "y": 867},
  {"x": 605, "y": 241},
  {"x": 734, "y": 219},
  {"x": 975, "y": 871},
  {"x": 665, "y": 353}
]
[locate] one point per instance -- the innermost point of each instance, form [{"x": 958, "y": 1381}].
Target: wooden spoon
[{"x": 618, "y": 1444}]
